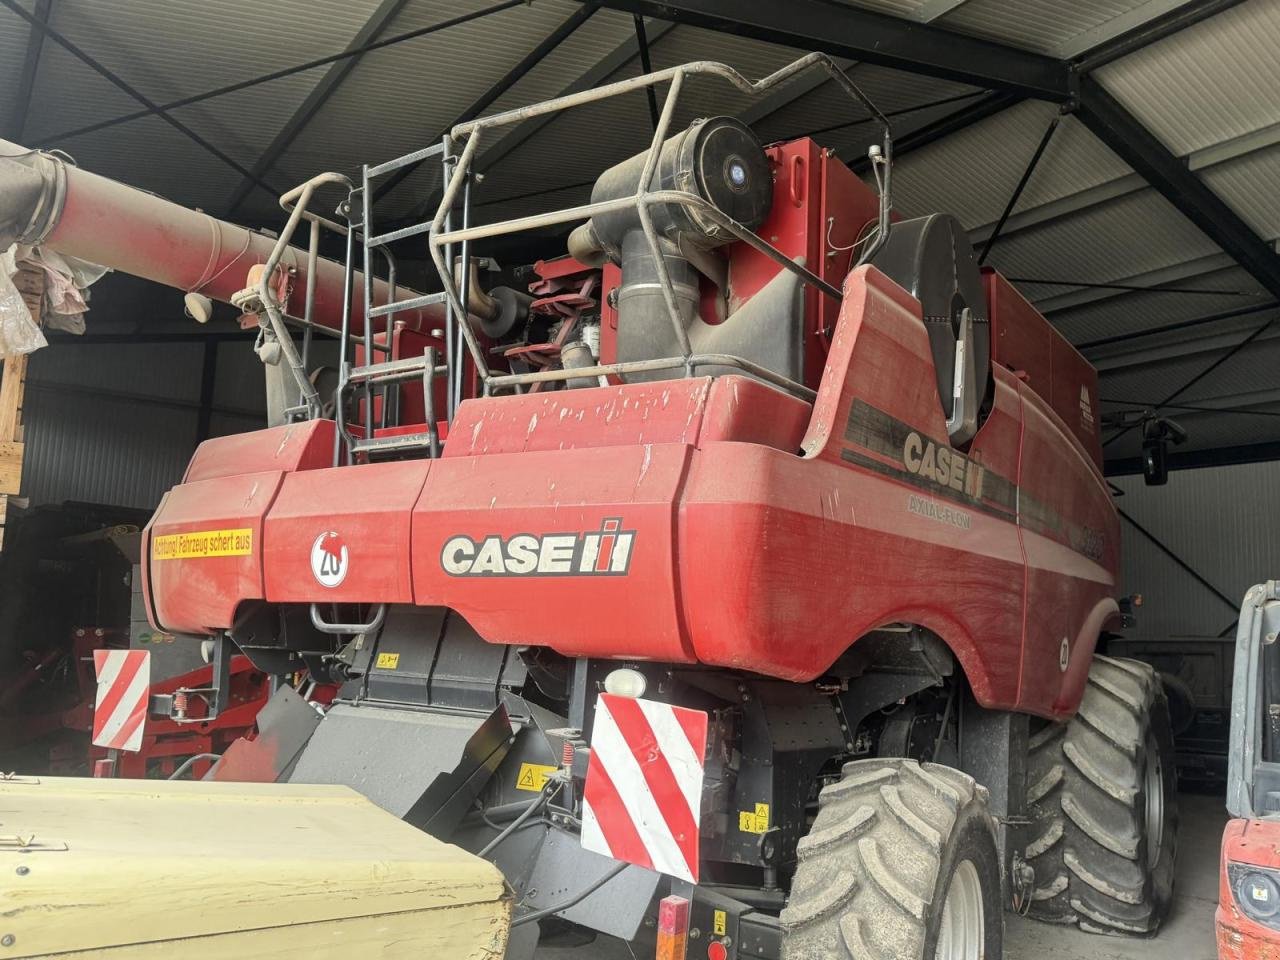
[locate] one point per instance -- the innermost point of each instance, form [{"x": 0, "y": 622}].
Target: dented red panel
[
  {"x": 342, "y": 534},
  {"x": 294, "y": 446},
  {"x": 517, "y": 545},
  {"x": 204, "y": 547}
]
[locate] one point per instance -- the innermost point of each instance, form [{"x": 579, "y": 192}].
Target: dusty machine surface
[
  {"x": 734, "y": 587},
  {"x": 124, "y": 869},
  {"x": 1248, "y": 918}
]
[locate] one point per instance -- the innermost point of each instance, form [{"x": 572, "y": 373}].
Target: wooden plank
[
  {"x": 10, "y": 466},
  {"x": 372, "y": 885},
  {"x": 11, "y": 393}
]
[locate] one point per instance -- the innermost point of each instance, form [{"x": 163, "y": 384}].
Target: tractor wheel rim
[
  {"x": 1153, "y": 785},
  {"x": 963, "y": 928}
]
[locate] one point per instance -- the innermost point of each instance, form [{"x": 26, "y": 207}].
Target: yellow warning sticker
[
  {"x": 718, "y": 920},
  {"x": 757, "y": 822},
  {"x": 533, "y": 776},
  {"x": 203, "y": 543},
  {"x": 388, "y": 661}
]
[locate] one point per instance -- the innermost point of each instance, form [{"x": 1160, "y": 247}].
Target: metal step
[
  {"x": 394, "y": 371},
  {"x": 396, "y": 444},
  {"x": 426, "y": 300}
]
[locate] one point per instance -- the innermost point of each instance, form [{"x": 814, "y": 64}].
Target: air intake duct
[{"x": 719, "y": 160}]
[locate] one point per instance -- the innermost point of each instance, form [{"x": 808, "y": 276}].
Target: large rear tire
[
  {"x": 1102, "y": 795},
  {"x": 900, "y": 864}
]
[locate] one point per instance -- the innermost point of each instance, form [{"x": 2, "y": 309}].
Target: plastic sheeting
[{"x": 19, "y": 332}]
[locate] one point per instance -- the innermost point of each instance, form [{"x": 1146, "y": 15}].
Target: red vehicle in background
[{"x": 1248, "y": 918}]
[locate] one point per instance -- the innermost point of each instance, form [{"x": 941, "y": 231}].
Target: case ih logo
[
  {"x": 329, "y": 559},
  {"x": 942, "y": 465},
  {"x": 602, "y": 553}
]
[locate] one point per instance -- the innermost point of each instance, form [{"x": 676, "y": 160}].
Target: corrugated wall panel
[
  {"x": 88, "y": 436},
  {"x": 1218, "y": 521},
  {"x": 103, "y": 451}
]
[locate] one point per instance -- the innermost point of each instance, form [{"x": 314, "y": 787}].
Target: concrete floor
[{"x": 1186, "y": 935}]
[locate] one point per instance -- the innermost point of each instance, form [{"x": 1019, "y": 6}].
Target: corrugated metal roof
[
  {"x": 1129, "y": 236},
  {"x": 1251, "y": 185},
  {"x": 1127, "y": 312},
  {"x": 973, "y": 172},
  {"x": 399, "y": 99},
  {"x": 13, "y": 52},
  {"x": 1047, "y": 26},
  {"x": 1041, "y": 25},
  {"x": 1208, "y": 83}
]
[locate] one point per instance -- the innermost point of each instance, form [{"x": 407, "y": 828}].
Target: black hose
[
  {"x": 574, "y": 900},
  {"x": 533, "y": 807}
]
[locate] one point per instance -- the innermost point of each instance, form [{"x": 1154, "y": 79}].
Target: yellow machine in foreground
[{"x": 123, "y": 869}]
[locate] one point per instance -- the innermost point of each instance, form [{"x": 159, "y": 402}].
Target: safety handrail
[{"x": 441, "y": 237}]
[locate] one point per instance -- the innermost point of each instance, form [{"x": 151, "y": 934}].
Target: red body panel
[
  {"x": 1255, "y": 842},
  {"x": 373, "y": 527},
  {"x": 200, "y": 594},
  {"x": 763, "y": 534},
  {"x": 1024, "y": 341}
]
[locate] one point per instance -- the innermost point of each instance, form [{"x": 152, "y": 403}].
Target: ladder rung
[
  {"x": 400, "y": 234},
  {"x": 405, "y": 441},
  {"x": 425, "y": 300},
  {"x": 404, "y": 161},
  {"x": 406, "y": 368}
]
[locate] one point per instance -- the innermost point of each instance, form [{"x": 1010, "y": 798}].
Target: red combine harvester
[{"x": 735, "y": 588}]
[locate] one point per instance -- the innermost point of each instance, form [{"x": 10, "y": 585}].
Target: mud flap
[
  {"x": 284, "y": 726},
  {"x": 424, "y": 766}
]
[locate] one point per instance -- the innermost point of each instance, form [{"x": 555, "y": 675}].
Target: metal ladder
[{"x": 375, "y": 379}]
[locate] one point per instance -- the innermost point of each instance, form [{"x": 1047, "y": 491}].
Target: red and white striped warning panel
[
  {"x": 643, "y": 794},
  {"x": 120, "y": 713}
]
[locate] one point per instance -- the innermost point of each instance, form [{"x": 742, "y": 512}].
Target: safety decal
[
  {"x": 388, "y": 661},
  {"x": 754, "y": 821},
  {"x": 329, "y": 559},
  {"x": 124, "y": 688},
  {"x": 203, "y": 543},
  {"x": 643, "y": 794},
  {"x": 533, "y": 776}
]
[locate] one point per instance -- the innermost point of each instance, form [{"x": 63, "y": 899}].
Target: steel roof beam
[
  {"x": 373, "y": 28},
  {"x": 871, "y": 37},
  {"x": 1111, "y": 123},
  {"x": 27, "y": 82},
  {"x": 1209, "y": 457}
]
